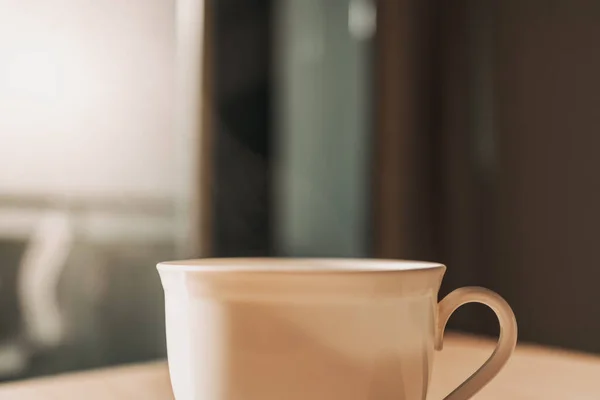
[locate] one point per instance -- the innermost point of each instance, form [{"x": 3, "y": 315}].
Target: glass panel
[{"x": 323, "y": 117}]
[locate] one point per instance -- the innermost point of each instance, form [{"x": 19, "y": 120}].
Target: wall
[{"x": 85, "y": 97}]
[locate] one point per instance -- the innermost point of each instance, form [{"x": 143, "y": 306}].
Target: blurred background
[{"x": 136, "y": 131}]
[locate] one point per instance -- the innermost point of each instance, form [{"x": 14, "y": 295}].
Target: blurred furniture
[
  {"x": 13, "y": 357},
  {"x": 78, "y": 284},
  {"x": 534, "y": 373}
]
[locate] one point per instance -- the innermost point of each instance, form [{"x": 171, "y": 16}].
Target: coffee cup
[{"x": 314, "y": 329}]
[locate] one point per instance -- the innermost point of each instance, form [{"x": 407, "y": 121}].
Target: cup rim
[{"x": 301, "y": 265}]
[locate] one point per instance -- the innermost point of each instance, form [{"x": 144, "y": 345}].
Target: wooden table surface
[{"x": 533, "y": 373}]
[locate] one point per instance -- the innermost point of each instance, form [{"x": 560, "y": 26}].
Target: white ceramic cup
[{"x": 314, "y": 329}]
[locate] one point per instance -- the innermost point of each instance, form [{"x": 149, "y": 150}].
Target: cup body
[{"x": 298, "y": 329}]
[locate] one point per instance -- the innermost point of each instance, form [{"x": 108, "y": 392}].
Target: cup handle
[{"x": 506, "y": 342}]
